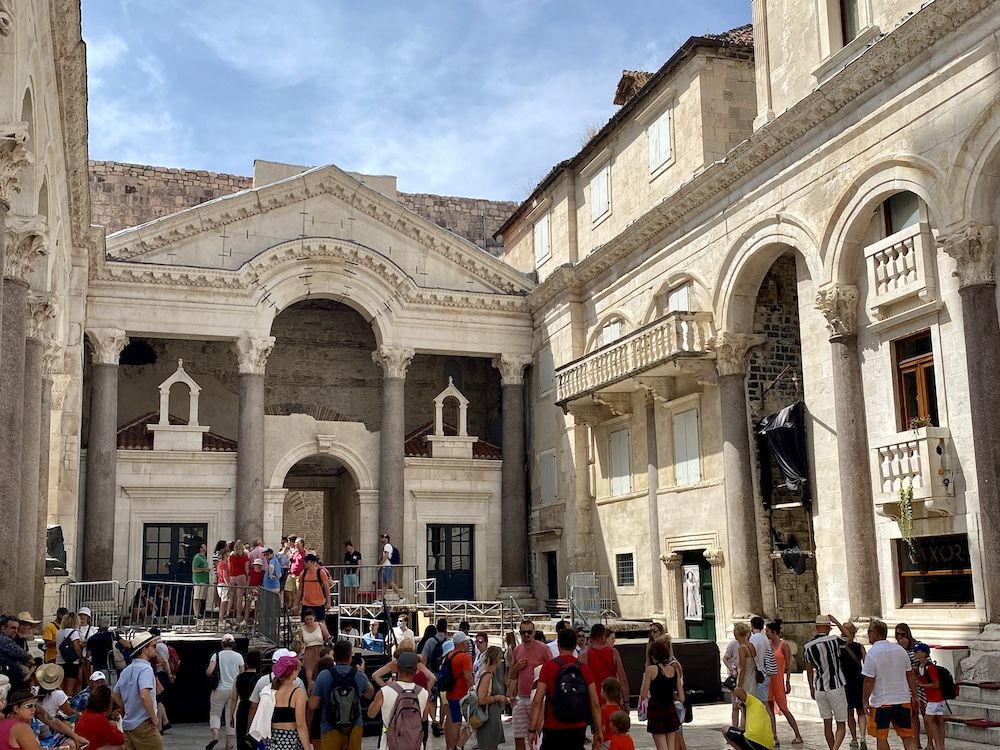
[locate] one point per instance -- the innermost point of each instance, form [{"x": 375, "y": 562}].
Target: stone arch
[
  {"x": 702, "y": 297},
  {"x": 852, "y": 213},
  {"x": 973, "y": 183},
  {"x": 748, "y": 262},
  {"x": 593, "y": 342},
  {"x": 353, "y": 461}
]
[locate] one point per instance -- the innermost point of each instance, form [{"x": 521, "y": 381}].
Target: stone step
[
  {"x": 979, "y": 694},
  {"x": 954, "y": 730},
  {"x": 979, "y": 710}
]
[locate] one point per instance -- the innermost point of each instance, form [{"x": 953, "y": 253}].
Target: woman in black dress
[
  {"x": 852, "y": 657},
  {"x": 242, "y": 687},
  {"x": 660, "y": 683}
]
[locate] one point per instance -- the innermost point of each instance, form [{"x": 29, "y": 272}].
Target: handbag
[
  {"x": 729, "y": 683},
  {"x": 759, "y": 676},
  {"x": 643, "y": 708}
]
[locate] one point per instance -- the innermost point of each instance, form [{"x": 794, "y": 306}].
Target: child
[
  {"x": 620, "y": 739},
  {"x": 611, "y": 690},
  {"x": 928, "y": 678}
]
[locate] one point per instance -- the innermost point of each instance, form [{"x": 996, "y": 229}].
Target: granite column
[
  {"x": 14, "y": 157},
  {"x": 52, "y": 354},
  {"x": 251, "y": 354},
  {"x": 652, "y": 502},
  {"x": 394, "y": 361},
  {"x": 732, "y": 350}
]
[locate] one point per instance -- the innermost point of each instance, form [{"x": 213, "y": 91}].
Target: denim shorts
[
  {"x": 385, "y": 574},
  {"x": 350, "y": 580}
]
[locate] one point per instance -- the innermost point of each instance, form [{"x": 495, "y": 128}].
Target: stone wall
[
  {"x": 127, "y": 195},
  {"x": 303, "y": 516}
]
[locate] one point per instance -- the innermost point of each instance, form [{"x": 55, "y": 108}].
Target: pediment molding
[{"x": 213, "y": 216}]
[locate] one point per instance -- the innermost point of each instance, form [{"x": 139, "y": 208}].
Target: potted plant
[{"x": 906, "y": 517}]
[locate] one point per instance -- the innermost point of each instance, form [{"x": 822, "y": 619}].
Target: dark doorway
[
  {"x": 552, "y": 574},
  {"x": 699, "y": 599},
  {"x": 449, "y": 561},
  {"x": 168, "y": 549}
]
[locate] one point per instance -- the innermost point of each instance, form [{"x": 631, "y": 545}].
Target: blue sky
[{"x": 468, "y": 97}]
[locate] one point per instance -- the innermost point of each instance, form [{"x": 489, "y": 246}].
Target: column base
[
  {"x": 983, "y": 662},
  {"x": 521, "y": 595}
]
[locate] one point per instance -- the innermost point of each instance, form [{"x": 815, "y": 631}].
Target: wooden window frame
[{"x": 917, "y": 365}]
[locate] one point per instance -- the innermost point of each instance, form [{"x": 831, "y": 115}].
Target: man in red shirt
[
  {"x": 563, "y": 733},
  {"x": 604, "y": 661},
  {"x": 527, "y": 656},
  {"x": 461, "y": 669}
]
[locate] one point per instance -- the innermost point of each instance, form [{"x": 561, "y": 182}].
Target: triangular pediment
[{"x": 228, "y": 233}]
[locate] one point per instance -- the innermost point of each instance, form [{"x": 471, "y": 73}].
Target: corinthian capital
[
  {"x": 839, "y": 305},
  {"x": 14, "y": 154},
  {"x": 6, "y": 17},
  {"x": 394, "y": 360},
  {"x": 511, "y": 367},
  {"x": 732, "y": 350},
  {"x": 252, "y": 353},
  {"x": 107, "y": 344},
  {"x": 41, "y": 309},
  {"x": 25, "y": 241},
  {"x": 52, "y": 358},
  {"x": 972, "y": 246}
]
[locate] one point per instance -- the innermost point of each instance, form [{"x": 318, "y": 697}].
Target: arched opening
[
  {"x": 180, "y": 401},
  {"x": 450, "y": 416},
  {"x": 27, "y": 178},
  {"x": 137, "y": 352}
]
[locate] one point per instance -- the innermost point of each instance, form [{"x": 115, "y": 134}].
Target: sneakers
[
  {"x": 436, "y": 729},
  {"x": 854, "y": 743}
]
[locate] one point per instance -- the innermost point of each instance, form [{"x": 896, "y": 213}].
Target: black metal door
[
  {"x": 552, "y": 574},
  {"x": 168, "y": 549},
  {"x": 449, "y": 561}
]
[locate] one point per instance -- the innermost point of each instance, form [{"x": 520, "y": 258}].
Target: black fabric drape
[{"x": 783, "y": 436}]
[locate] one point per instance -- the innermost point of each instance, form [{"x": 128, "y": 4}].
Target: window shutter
[
  {"x": 599, "y": 192},
  {"x": 547, "y": 470},
  {"x": 658, "y": 135},
  {"x": 542, "y": 249},
  {"x": 678, "y": 299},
  {"x": 546, "y": 370},
  {"x": 687, "y": 453},
  {"x": 621, "y": 480},
  {"x": 611, "y": 332}
]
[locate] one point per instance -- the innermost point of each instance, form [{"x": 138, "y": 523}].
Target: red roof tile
[
  {"x": 135, "y": 437},
  {"x": 415, "y": 445}
]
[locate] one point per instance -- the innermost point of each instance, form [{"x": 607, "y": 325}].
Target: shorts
[
  {"x": 71, "y": 671},
  {"x": 223, "y": 593},
  {"x": 832, "y": 704},
  {"x": 764, "y": 690},
  {"x": 385, "y": 574},
  {"x": 455, "y": 710},
  {"x": 899, "y": 716},
  {"x": 143, "y": 737},
  {"x": 936, "y": 708},
  {"x": 319, "y": 609},
  {"x": 521, "y": 717},
  {"x": 337, "y": 740},
  {"x": 201, "y": 591},
  {"x": 292, "y": 583},
  {"x": 350, "y": 580},
  {"x": 736, "y": 736}
]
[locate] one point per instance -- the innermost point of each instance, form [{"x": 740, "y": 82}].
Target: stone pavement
[{"x": 702, "y": 734}]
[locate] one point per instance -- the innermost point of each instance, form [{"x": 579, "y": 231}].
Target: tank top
[
  {"x": 315, "y": 638},
  {"x": 601, "y": 662},
  {"x": 5, "y": 729},
  {"x": 662, "y": 688},
  {"x": 285, "y": 714}
]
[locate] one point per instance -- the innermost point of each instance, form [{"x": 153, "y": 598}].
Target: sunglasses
[
  {"x": 29, "y": 706},
  {"x": 527, "y": 632}
]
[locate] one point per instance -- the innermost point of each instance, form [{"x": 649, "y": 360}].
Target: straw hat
[
  {"x": 26, "y": 617},
  {"x": 49, "y": 676}
]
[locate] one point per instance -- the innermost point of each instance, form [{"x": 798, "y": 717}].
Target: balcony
[
  {"x": 919, "y": 459},
  {"x": 677, "y": 334},
  {"x": 901, "y": 272}
]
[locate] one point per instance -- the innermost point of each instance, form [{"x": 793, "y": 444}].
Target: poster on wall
[{"x": 693, "y": 608}]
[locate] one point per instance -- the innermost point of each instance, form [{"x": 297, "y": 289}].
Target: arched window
[{"x": 138, "y": 352}]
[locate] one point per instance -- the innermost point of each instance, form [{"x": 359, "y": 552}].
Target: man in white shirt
[
  {"x": 762, "y": 647},
  {"x": 890, "y": 689},
  {"x": 385, "y": 570},
  {"x": 229, "y": 663},
  {"x": 385, "y": 698},
  {"x": 402, "y": 629}
]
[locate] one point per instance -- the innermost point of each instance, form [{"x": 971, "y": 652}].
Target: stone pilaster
[
  {"x": 98, "y": 537},
  {"x": 674, "y": 613},
  {"x": 513, "y": 501},
  {"x": 731, "y": 351},
  {"x": 251, "y": 354},
  {"x": 839, "y": 305},
  {"x": 652, "y": 502},
  {"x": 973, "y": 246},
  {"x": 762, "y": 63},
  {"x": 51, "y": 362},
  {"x": 394, "y": 361}
]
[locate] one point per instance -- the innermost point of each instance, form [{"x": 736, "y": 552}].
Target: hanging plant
[
  {"x": 906, "y": 517},
  {"x": 917, "y": 422}
]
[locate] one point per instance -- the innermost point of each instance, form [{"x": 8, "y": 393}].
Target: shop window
[
  {"x": 916, "y": 383},
  {"x": 936, "y": 570},
  {"x": 625, "y": 569}
]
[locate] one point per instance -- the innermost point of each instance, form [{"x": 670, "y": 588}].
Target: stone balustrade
[
  {"x": 674, "y": 335},
  {"x": 919, "y": 459},
  {"x": 900, "y": 267}
]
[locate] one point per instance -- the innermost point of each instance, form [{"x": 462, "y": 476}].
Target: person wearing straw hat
[
  {"x": 25, "y": 624},
  {"x": 135, "y": 694},
  {"x": 50, "y": 694}
]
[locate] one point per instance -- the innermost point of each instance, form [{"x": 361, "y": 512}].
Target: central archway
[{"x": 321, "y": 504}]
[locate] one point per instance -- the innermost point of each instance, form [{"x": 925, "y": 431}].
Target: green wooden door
[{"x": 698, "y": 598}]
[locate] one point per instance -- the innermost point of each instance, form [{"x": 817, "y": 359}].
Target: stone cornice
[
  {"x": 329, "y": 180},
  {"x": 14, "y": 153},
  {"x": 511, "y": 367},
  {"x": 394, "y": 360},
  {"x": 25, "y": 240},
  {"x": 972, "y": 246},
  {"x": 252, "y": 353},
  {"x": 880, "y": 62},
  {"x": 107, "y": 344},
  {"x": 839, "y": 305}
]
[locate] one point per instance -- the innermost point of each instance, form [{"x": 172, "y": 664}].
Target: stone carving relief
[
  {"x": 6, "y": 17},
  {"x": 732, "y": 350},
  {"x": 107, "y": 344},
  {"x": 972, "y": 246},
  {"x": 714, "y": 556},
  {"x": 52, "y": 358},
  {"x": 25, "y": 241},
  {"x": 14, "y": 153},
  {"x": 839, "y": 305},
  {"x": 394, "y": 361},
  {"x": 41, "y": 311},
  {"x": 511, "y": 367},
  {"x": 252, "y": 353},
  {"x": 671, "y": 560}
]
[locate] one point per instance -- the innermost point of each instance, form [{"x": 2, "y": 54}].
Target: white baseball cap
[
  {"x": 98, "y": 676},
  {"x": 279, "y": 652}
]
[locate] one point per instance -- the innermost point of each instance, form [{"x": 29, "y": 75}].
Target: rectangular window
[
  {"x": 679, "y": 299},
  {"x": 625, "y": 569},
  {"x": 937, "y": 570},
  {"x": 687, "y": 452},
  {"x": 600, "y": 193},
  {"x": 547, "y": 476},
  {"x": 658, "y": 135},
  {"x": 916, "y": 382},
  {"x": 850, "y": 20},
  {"x": 611, "y": 332},
  {"x": 546, "y": 371},
  {"x": 621, "y": 469},
  {"x": 542, "y": 242}
]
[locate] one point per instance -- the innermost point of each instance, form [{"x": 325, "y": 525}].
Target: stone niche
[
  {"x": 451, "y": 446},
  {"x": 178, "y": 437}
]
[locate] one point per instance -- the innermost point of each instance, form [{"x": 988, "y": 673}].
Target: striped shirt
[{"x": 823, "y": 653}]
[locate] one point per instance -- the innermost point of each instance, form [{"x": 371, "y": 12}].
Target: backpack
[
  {"x": 570, "y": 698},
  {"x": 445, "y": 678},
  {"x": 216, "y": 676},
  {"x": 174, "y": 659},
  {"x": 405, "y": 730},
  {"x": 472, "y": 712},
  {"x": 67, "y": 650},
  {"x": 949, "y": 690},
  {"x": 434, "y": 663},
  {"x": 395, "y": 558},
  {"x": 343, "y": 704}
]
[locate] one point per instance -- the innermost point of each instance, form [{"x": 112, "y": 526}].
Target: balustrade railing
[
  {"x": 900, "y": 266},
  {"x": 917, "y": 460}
]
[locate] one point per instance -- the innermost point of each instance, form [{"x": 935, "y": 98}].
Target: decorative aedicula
[{"x": 178, "y": 437}]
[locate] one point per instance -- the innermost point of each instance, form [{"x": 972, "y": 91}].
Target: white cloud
[{"x": 104, "y": 53}]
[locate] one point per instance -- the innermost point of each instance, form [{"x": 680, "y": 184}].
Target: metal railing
[
  {"x": 367, "y": 584},
  {"x": 103, "y": 598},
  {"x": 486, "y": 616},
  {"x": 591, "y": 598}
]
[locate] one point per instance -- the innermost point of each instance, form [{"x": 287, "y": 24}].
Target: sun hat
[
  {"x": 141, "y": 640},
  {"x": 823, "y": 620},
  {"x": 284, "y": 666},
  {"x": 259, "y": 562},
  {"x": 16, "y": 698},
  {"x": 849, "y": 627},
  {"x": 280, "y": 652},
  {"x": 447, "y": 647},
  {"x": 26, "y": 617},
  {"x": 49, "y": 676},
  {"x": 98, "y": 675},
  {"x": 85, "y": 611}
]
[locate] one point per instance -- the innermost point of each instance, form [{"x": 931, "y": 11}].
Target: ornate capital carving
[
  {"x": 511, "y": 367},
  {"x": 714, "y": 556},
  {"x": 252, "y": 353},
  {"x": 732, "y": 350},
  {"x": 52, "y": 358},
  {"x": 839, "y": 305},
  {"x": 107, "y": 344},
  {"x": 41, "y": 309},
  {"x": 671, "y": 560},
  {"x": 25, "y": 241},
  {"x": 60, "y": 387},
  {"x": 6, "y": 17},
  {"x": 14, "y": 153},
  {"x": 394, "y": 360},
  {"x": 972, "y": 246}
]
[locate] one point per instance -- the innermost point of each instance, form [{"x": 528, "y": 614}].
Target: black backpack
[
  {"x": 67, "y": 650},
  {"x": 343, "y": 704},
  {"x": 434, "y": 663},
  {"x": 395, "y": 558},
  {"x": 570, "y": 697},
  {"x": 949, "y": 690},
  {"x": 216, "y": 677},
  {"x": 445, "y": 678}
]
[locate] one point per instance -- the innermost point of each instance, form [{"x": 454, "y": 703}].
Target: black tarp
[{"x": 783, "y": 436}]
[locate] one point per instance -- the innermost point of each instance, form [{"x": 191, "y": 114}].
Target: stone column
[
  {"x": 394, "y": 362},
  {"x": 838, "y": 303},
  {"x": 513, "y": 502},
  {"x": 251, "y": 355},
  {"x": 731, "y": 350},
  {"x": 51, "y": 360},
  {"x": 14, "y": 156},
  {"x": 40, "y": 310},
  {"x": 674, "y": 613},
  {"x": 652, "y": 502},
  {"x": 972, "y": 246},
  {"x": 98, "y": 537}
]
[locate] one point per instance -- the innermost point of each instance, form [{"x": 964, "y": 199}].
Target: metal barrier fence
[
  {"x": 486, "y": 616},
  {"x": 367, "y": 584},
  {"x": 591, "y": 597},
  {"x": 103, "y": 598},
  {"x": 271, "y": 618}
]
